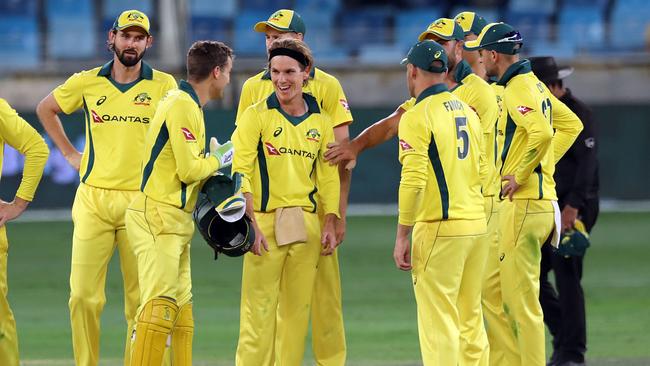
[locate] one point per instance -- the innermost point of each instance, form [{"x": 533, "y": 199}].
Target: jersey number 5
[{"x": 462, "y": 133}]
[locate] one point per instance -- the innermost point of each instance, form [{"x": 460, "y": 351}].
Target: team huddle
[{"x": 478, "y": 143}]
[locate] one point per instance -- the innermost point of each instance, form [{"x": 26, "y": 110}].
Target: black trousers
[{"x": 564, "y": 303}]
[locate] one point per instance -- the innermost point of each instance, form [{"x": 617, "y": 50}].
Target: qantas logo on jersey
[
  {"x": 405, "y": 145},
  {"x": 187, "y": 134},
  {"x": 96, "y": 117},
  {"x": 272, "y": 150},
  {"x": 524, "y": 110},
  {"x": 345, "y": 104},
  {"x": 111, "y": 118}
]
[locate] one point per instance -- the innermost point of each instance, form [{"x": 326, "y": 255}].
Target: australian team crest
[
  {"x": 142, "y": 99},
  {"x": 135, "y": 17},
  {"x": 313, "y": 135}
]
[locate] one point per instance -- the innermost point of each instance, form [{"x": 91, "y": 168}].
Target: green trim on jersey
[
  {"x": 434, "y": 157},
  {"x": 91, "y": 147},
  {"x": 518, "y": 68},
  {"x": 161, "y": 141},
  {"x": 183, "y": 195},
  {"x": 146, "y": 72},
  {"x": 312, "y": 193},
  {"x": 511, "y": 127},
  {"x": 264, "y": 176},
  {"x": 187, "y": 87},
  {"x": 462, "y": 71},
  {"x": 432, "y": 90},
  {"x": 272, "y": 102},
  {"x": 540, "y": 177}
]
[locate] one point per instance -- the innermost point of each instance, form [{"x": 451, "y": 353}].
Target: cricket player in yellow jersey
[
  {"x": 118, "y": 100},
  {"x": 280, "y": 142},
  {"x": 328, "y": 333},
  {"x": 440, "y": 202},
  {"x": 159, "y": 220},
  {"x": 17, "y": 133},
  {"x": 503, "y": 350},
  {"x": 472, "y": 24},
  {"x": 474, "y": 91},
  {"x": 528, "y": 149}
]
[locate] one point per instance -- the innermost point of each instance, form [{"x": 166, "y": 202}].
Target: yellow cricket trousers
[
  {"x": 273, "y": 332},
  {"x": 327, "y": 329},
  {"x": 8, "y": 335},
  {"x": 161, "y": 236},
  {"x": 503, "y": 350},
  {"x": 444, "y": 284},
  {"x": 524, "y": 227},
  {"x": 98, "y": 216}
]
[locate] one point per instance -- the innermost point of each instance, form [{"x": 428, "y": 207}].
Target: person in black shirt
[{"x": 576, "y": 177}]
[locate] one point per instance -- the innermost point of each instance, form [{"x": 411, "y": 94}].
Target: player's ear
[
  {"x": 216, "y": 72},
  {"x": 149, "y": 41},
  {"x": 111, "y": 35}
]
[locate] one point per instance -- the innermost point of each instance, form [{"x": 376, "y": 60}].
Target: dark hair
[
  {"x": 295, "y": 45},
  {"x": 204, "y": 56}
]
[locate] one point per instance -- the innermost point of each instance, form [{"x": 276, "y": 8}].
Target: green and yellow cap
[
  {"x": 470, "y": 22},
  {"x": 428, "y": 56},
  {"x": 132, "y": 18},
  {"x": 444, "y": 28},
  {"x": 499, "y": 37},
  {"x": 283, "y": 20}
]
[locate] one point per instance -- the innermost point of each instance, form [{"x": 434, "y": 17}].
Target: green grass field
[{"x": 378, "y": 301}]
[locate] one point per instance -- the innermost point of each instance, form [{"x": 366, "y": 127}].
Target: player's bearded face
[
  {"x": 287, "y": 78},
  {"x": 130, "y": 47}
]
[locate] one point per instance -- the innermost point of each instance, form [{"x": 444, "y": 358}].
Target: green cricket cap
[
  {"x": 499, "y": 37},
  {"x": 283, "y": 20},
  {"x": 428, "y": 56},
  {"x": 470, "y": 22}
]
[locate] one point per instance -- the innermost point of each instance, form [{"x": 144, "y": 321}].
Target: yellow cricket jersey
[
  {"x": 439, "y": 148},
  {"x": 526, "y": 141},
  {"x": 117, "y": 118},
  {"x": 17, "y": 133},
  {"x": 175, "y": 163},
  {"x": 478, "y": 94},
  {"x": 324, "y": 87},
  {"x": 281, "y": 157}
]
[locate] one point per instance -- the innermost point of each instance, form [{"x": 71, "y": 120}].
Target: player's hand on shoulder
[
  {"x": 223, "y": 152},
  {"x": 74, "y": 159},
  {"x": 342, "y": 151}
]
